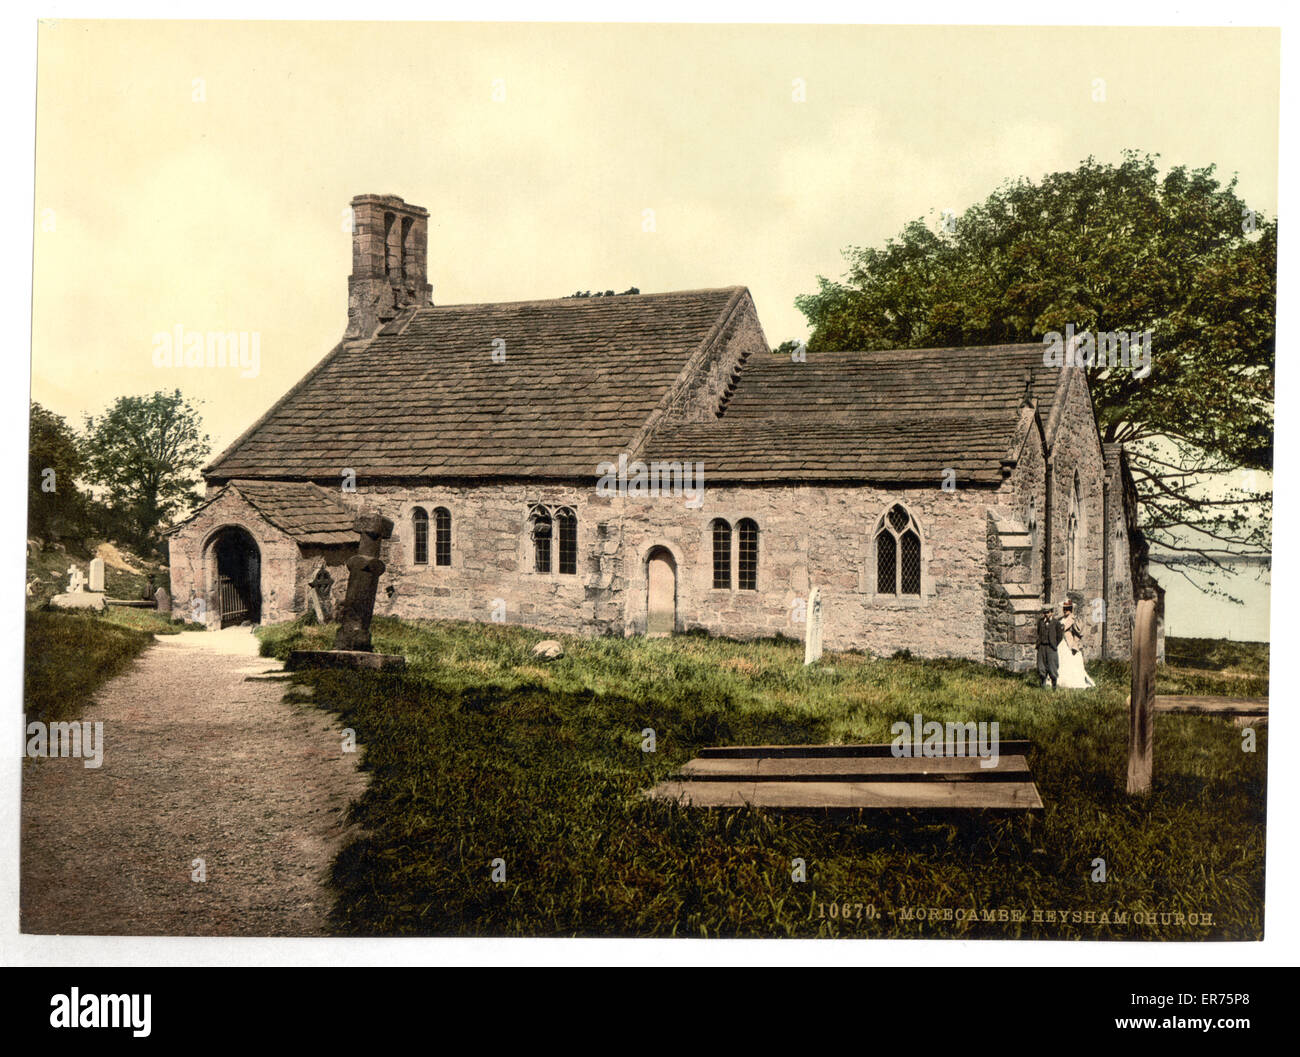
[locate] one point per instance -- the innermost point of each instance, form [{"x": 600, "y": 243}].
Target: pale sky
[{"x": 197, "y": 174}]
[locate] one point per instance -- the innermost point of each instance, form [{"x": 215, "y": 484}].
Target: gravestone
[
  {"x": 321, "y": 584},
  {"x": 1142, "y": 699},
  {"x": 812, "y": 639},
  {"x": 76, "y": 597},
  {"x": 96, "y": 574},
  {"x": 163, "y": 602},
  {"x": 315, "y": 611}
]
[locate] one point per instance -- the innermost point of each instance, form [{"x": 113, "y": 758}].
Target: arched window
[
  {"x": 405, "y": 249},
  {"x": 721, "y": 554},
  {"x": 567, "y": 521},
  {"x": 441, "y": 536},
  {"x": 420, "y": 535},
  {"x": 389, "y": 255},
  {"x": 540, "y": 520},
  {"x": 898, "y": 553},
  {"x": 1073, "y": 574},
  {"x": 562, "y": 526},
  {"x": 747, "y": 566}
]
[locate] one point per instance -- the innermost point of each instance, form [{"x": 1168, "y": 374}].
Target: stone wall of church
[
  {"x": 1022, "y": 498},
  {"x": 492, "y": 575},
  {"x": 807, "y": 536},
  {"x": 822, "y": 536},
  {"x": 1076, "y": 452}
]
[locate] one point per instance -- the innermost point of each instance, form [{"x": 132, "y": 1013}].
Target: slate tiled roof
[
  {"x": 302, "y": 510},
  {"x": 889, "y": 416},
  {"x": 305, "y": 511},
  {"x": 580, "y": 378}
]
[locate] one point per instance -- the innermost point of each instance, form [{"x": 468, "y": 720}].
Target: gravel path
[{"x": 200, "y": 762}]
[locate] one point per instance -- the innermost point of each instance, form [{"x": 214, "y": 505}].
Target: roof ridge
[
  {"x": 582, "y": 300},
  {"x": 688, "y": 372},
  {"x": 1023, "y": 346}
]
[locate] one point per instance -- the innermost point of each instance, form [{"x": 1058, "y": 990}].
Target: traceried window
[
  {"x": 540, "y": 520},
  {"x": 567, "y": 522},
  {"x": 420, "y": 536},
  {"x": 555, "y": 540},
  {"x": 898, "y": 553},
  {"x": 721, "y": 554},
  {"x": 441, "y": 536},
  {"x": 747, "y": 566}
]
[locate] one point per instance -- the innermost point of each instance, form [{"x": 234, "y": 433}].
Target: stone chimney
[{"x": 389, "y": 267}]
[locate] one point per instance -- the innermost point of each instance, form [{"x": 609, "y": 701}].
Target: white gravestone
[
  {"x": 96, "y": 574},
  {"x": 76, "y": 597},
  {"x": 812, "y": 639}
]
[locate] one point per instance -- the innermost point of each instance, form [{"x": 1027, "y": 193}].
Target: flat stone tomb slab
[
  {"x": 1006, "y": 747},
  {"x": 1196, "y": 705},
  {"x": 792, "y": 777},
  {"x": 840, "y": 769},
  {"x": 355, "y": 659}
]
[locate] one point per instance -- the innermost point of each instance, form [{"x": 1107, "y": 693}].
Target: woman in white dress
[{"x": 1072, "y": 674}]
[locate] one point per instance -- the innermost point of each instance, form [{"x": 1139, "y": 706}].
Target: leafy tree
[
  {"x": 1106, "y": 248},
  {"x": 145, "y": 451},
  {"x": 56, "y": 507}
]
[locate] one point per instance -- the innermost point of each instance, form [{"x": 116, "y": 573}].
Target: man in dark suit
[{"x": 1047, "y": 636}]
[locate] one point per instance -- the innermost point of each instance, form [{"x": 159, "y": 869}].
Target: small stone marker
[
  {"x": 812, "y": 638},
  {"x": 314, "y": 607},
  {"x": 321, "y": 584},
  {"x": 1142, "y": 700},
  {"x": 548, "y": 650},
  {"x": 162, "y": 601},
  {"x": 96, "y": 574},
  {"x": 76, "y": 582}
]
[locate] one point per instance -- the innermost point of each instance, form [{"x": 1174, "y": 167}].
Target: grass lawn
[
  {"x": 480, "y": 752},
  {"x": 70, "y": 654}
]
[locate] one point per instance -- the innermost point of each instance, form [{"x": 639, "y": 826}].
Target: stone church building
[{"x": 645, "y": 463}]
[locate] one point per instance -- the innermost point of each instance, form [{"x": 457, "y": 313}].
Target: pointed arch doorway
[{"x": 661, "y": 592}]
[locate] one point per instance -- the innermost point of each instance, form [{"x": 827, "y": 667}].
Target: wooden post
[{"x": 1142, "y": 700}]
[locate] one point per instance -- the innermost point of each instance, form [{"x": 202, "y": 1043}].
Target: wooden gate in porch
[{"x": 234, "y": 605}]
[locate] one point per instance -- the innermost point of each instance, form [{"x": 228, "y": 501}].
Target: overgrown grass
[
  {"x": 69, "y": 656},
  {"x": 1220, "y": 655},
  {"x": 147, "y": 620},
  {"x": 479, "y": 751}
]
